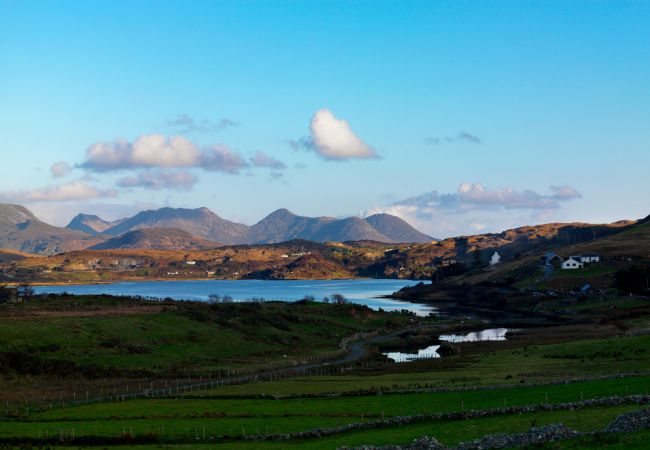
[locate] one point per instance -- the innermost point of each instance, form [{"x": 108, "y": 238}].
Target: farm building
[
  {"x": 590, "y": 258},
  {"x": 572, "y": 263}
]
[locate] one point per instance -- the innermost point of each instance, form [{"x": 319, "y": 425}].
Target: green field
[{"x": 112, "y": 345}]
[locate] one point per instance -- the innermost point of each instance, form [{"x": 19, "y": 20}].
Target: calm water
[
  {"x": 425, "y": 353},
  {"x": 363, "y": 292},
  {"x": 492, "y": 334}
]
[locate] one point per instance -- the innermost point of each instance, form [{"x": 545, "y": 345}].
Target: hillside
[
  {"x": 21, "y": 230},
  {"x": 199, "y": 222},
  {"x": 90, "y": 224},
  {"x": 156, "y": 238},
  {"x": 365, "y": 258},
  {"x": 397, "y": 229},
  {"x": 9, "y": 256}
]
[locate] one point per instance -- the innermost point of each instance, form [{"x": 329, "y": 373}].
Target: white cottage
[
  {"x": 495, "y": 259},
  {"x": 572, "y": 263}
]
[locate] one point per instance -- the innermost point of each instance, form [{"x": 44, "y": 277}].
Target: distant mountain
[
  {"x": 397, "y": 229},
  {"x": 156, "y": 239},
  {"x": 196, "y": 228},
  {"x": 199, "y": 222},
  {"x": 283, "y": 225},
  {"x": 21, "y": 230},
  {"x": 91, "y": 224},
  {"x": 279, "y": 226}
]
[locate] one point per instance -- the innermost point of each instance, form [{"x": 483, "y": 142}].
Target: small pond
[
  {"x": 431, "y": 352},
  {"x": 492, "y": 334}
]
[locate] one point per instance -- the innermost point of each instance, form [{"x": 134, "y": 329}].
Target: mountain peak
[
  {"x": 282, "y": 212},
  {"x": 15, "y": 214},
  {"x": 397, "y": 229},
  {"x": 89, "y": 223}
]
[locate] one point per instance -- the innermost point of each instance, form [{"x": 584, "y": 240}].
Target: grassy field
[
  {"x": 233, "y": 430},
  {"x": 179, "y": 336},
  {"x": 97, "y": 342}
]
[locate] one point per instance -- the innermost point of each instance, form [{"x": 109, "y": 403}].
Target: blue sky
[{"x": 458, "y": 116}]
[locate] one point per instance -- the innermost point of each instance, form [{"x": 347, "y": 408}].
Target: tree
[
  {"x": 476, "y": 259},
  {"x": 633, "y": 280},
  {"x": 26, "y": 292}
]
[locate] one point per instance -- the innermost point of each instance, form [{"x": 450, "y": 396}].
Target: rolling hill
[
  {"x": 156, "y": 239},
  {"x": 397, "y": 229},
  {"x": 199, "y": 222}
]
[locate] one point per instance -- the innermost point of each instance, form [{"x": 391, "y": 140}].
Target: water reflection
[
  {"x": 430, "y": 352},
  {"x": 493, "y": 334},
  {"x": 426, "y": 353}
]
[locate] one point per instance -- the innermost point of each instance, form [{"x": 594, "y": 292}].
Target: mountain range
[
  {"x": 172, "y": 228},
  {"x": 21, "y": 230},
  {"x": 279, "y": 226}
]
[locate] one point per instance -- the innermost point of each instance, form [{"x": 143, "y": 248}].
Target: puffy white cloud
[
  {"x": 159, "y": 151},
  {"x": 474, "y": 208},
  {"x": 261, "y": 159},
  {"x": 332, "y": 138},
  {"x": 60, "y": 169},
  {"x": 74, "y": 191},
  {"x": 177, "y": 180}
]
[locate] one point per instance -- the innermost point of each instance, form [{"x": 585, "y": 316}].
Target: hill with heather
[{"x": 158, "y": 239}]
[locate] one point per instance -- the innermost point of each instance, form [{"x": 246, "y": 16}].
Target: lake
[{"x": 360, "y": 291}]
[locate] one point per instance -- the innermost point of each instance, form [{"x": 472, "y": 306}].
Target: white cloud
[
  {"x": 332, "y": 138},
  {"x": 565, "y": 193},
  {"x": 159, "y": 151},
  {"x": 220, "y": 158},
  {"x": 188, "y": 124},
  {"x": 74, "y": 191},
  {"x": 178, "y": 180},
  {"x": 261, "y": 159},
  {"x": 60, "y": 169},
  {"x": 474, "y": 208}
]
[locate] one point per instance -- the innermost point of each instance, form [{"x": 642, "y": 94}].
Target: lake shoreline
[{"x": 363, "y": 291}]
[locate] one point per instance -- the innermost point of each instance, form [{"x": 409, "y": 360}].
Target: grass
[
  {"x": 210, "y": 337},
  {"x": 354, "y": 406},
  {"x": 449, "y": 432},
  {"x": 163, "y": 338},
  {"x": 515, "y": 366}
]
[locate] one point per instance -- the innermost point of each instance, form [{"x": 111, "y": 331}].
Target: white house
[
  {"x": 572, "y": 263},
  {"x": 495, "y": 259},
  {"x": 590, "y": 258}
]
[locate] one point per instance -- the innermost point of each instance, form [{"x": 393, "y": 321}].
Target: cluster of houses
[{"x": 572, "y": 262}]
